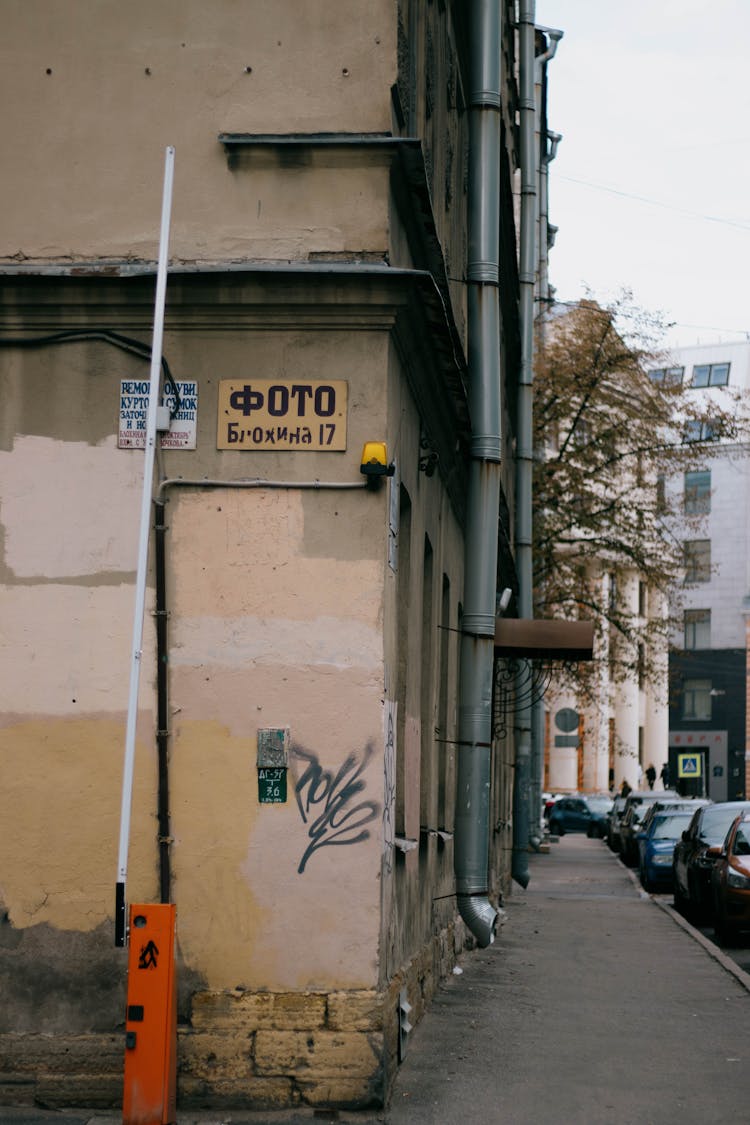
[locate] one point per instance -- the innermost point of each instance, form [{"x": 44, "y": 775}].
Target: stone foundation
[{"x": 246, "y": 1050}]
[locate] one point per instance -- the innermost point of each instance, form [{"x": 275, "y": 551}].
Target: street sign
[
  {"x": 282, "y": 414},
  {"x": 689, "y": 765}
]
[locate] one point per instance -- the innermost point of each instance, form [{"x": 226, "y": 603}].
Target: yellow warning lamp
[{"x": 375, "y": 463}]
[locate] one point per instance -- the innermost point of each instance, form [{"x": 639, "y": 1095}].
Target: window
[
  {"x": 445, "y": 682},
  {"x": 667, "y": 376},
  {"x": 661, "y": 492},
  {"x": 710, "y": 375},
  {"x": 697, "y": 430},
  {"x": 402, "y": 660},
  {"x": 697, "y": 559},
  {"x": 427, "y": 787},
  {"x": 697, "y": 628},
  {"x": 581, "y": 433},
  {"x": 697, "y": 493},
  {"x": 696, "y": 699},
  {"x": 612, "y": 592}
]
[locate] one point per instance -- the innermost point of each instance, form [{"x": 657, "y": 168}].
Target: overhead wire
[
  {"x": 736, "y": 223},
  {"x": 109, "y": 336}
]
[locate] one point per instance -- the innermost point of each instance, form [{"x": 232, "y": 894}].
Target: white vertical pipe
[{"x": 140, "y": 586}]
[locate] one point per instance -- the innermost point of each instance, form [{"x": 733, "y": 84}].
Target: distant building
[
  {"x": 708, "y": 661},
  {"x": 596, "y": 744},
  {"x": 610, "y": 732}
]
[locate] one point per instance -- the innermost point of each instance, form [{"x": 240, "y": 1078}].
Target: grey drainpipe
[
  {"x": 541, "y": 155},
  {"x": 478, "y": 622},
  {"x": 524, "y": 450},
  {"x": 543, "y": 290},
  {"x": 524, "y": 815}
]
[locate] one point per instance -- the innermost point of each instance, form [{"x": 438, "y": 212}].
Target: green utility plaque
[{"x": 272, "y": 785}]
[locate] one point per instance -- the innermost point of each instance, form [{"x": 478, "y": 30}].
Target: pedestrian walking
[{"x": 651, "y": 776}]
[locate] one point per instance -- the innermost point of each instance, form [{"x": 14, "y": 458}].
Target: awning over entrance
[{"x": 544, "y": 640}]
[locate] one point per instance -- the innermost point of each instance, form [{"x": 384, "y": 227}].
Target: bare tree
[{"x": 613, "y": 420}]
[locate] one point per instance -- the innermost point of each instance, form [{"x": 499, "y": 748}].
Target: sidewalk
[{"x": 595, "y": 1006}]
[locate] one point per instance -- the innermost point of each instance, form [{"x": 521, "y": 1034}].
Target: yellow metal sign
[
  {"x": 690, "y": 765},
  {"x": 296, "y": 414}
]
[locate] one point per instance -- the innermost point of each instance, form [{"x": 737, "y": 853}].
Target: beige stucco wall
[
  {"x": 276, "y": 621},
  {"x": 99, "y": 90},
  {"x": 281, "y": 611},
  {"x": 264, "y": 636}
]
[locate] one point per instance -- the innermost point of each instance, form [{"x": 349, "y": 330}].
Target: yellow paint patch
[
  {"x": 244, "y": 911},
  {"x": 214, "y": 806},
  {"x": 60, "y": 816}
]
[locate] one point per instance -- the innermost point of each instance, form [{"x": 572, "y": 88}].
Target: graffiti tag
[{"x": 325, "y": 801}]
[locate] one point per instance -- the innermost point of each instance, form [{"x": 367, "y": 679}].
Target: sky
[{"x": 650, "y": 188}]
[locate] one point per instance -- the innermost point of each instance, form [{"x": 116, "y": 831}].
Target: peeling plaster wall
[
  {"x": 66, "y": 600},
  {"x": 66, "y": 605},
  {"x": 276, "y": 619},
  {"x": 265, "y": 636},
  {"x": 102, "y": 90}
]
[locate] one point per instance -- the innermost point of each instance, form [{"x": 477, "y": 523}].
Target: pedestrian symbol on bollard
[
  {"x": 148, "y": 956},
  {"x": 689, "y": 765}
]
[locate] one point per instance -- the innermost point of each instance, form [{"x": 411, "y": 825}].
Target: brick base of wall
[{"x": 246, "y": 1050}]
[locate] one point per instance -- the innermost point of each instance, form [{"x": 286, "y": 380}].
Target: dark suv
[
  {"x": 579, "y": 814},
  {"x": 697, "y": 851}
]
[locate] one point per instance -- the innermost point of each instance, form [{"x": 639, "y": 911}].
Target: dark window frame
[
  {"x": 697, "y": 492},
  {"x": 667, "y": 376},
  {"x": 716, "y": 375},
  {"x": 694, "y": 693},
  {"x": 696, "y": 554},
  {"x": 694, "y": 620}
]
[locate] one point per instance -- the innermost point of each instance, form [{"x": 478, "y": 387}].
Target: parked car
[
  {"x": 579, "y": 814},
  {"x": 661, "y": 830},
  {"x": 548, "y": 803},
  {"x": 636, "y": 805},
  {"x": 600, "y": 808},
  {"x": 695, "y": 854},
  {"x": 683, "y": 804},
  {"x": 613, "y": 824},
  {"x": 730, "y": 879}
]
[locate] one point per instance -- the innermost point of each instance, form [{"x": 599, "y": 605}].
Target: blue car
[{"x": 656, "y": 847}]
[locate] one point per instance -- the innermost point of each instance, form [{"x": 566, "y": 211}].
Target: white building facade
[{"x": 708, "y": 660}]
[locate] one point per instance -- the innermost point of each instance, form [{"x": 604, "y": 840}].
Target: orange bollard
[{"x": 149, "y": 1096}]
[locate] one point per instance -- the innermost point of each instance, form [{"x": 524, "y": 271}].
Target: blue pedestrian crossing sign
[{"x": 689, "y": 765}]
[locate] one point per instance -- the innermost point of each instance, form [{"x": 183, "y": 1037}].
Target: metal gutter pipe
[
  {"x": 483, "y": 502},
  {"x": 524, "y": 448},
  {"x": 546, "y": 154},
  {"x": 162, "y": 702},
  {"x": 545, "y": 147}
]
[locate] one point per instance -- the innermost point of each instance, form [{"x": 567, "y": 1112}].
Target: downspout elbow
[
  {"x": 519, "y": 871},
  {"x": 554, "y": 36},
  {"x": 480, "y": 916}
]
